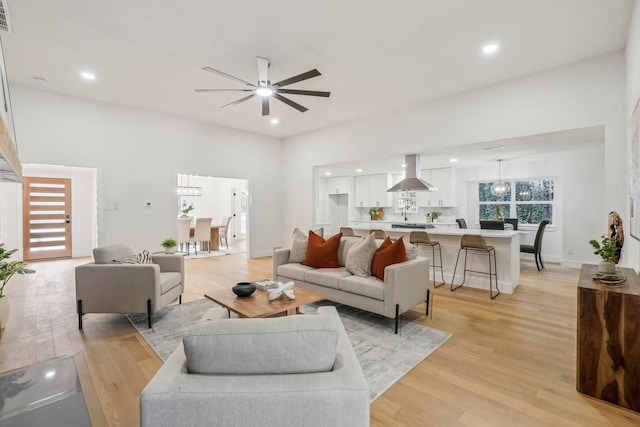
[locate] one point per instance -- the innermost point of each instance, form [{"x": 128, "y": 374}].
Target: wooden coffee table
[{"x": 258, "y": 305}]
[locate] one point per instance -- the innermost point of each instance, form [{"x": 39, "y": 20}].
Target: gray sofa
[
  {"x": 104, "y": 286},
  {"x": 405, "y": 284},
  {"x": 296, "y": 370}
]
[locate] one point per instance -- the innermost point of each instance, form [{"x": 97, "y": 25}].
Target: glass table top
[{"x": 46, "y": 394}]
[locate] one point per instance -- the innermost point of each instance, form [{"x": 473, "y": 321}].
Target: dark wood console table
[{"x": 608, "y": 365}]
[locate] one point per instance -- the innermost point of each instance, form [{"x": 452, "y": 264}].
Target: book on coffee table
[{"x": 265, "y": 284}]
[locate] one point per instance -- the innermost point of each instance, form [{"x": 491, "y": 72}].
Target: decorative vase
[
  {"x": 607, "y": 267},
  {"x": 244, "y": 289},
  {"x": 4, "y": 311},
  {"x": 171, "y": 250},
  {"x": 497, "y": 216}
]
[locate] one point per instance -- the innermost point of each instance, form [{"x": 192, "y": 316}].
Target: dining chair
[
  {"x": 224, "y": 230},
  {"x": 536, "y": 248},
  {"x": 461, "y": 223},
  {"x": 491, "y": 225},
  {"x": 202, "y": 234},
  {"x": 184, "y": 231},
  {"x": 513, "y": 222}
]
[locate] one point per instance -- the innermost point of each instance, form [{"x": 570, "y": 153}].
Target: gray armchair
[{"x": 105, "y": 286}]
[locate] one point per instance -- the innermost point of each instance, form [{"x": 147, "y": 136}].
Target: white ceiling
[{"x": 374, "y": 55}]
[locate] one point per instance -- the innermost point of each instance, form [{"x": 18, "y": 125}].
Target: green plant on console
[
  {"x": 608, "y": 249},
  {"x": 169, "y": 243},
  {"x": 9, "y": 268}
]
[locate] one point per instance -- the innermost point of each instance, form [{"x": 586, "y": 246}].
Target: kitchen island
[{"x": 505, "y": 242}]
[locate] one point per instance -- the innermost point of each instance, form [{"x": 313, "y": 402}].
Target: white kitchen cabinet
[
  {"x": 442, "y": 179},
  {"x": 338, "y": 185},
  {"x": 379, "y": 197},
  {"x": 371, "y": 191},
  {"x": 362, "y": 184}
]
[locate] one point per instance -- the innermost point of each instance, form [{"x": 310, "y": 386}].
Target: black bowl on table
[{"x": 244, "y": 289}]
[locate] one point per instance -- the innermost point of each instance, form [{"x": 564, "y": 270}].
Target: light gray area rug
[
  {"x": 384, "y": 356},
  {"x": 207, "y": 254}
]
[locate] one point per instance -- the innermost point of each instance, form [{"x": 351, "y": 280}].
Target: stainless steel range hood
[
  {"x": 10, "y": 167},
  {"x": 412, "y": 179}
]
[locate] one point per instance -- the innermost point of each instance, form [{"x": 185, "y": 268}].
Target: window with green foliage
[{"x": 531, "y": 201}]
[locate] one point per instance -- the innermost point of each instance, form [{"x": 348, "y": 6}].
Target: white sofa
[
  {"x": 405, "y": 284},
  {"x": 296, "y": 370}
]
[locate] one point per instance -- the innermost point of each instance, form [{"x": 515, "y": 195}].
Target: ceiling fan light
[{"x": 264, "y": 91}]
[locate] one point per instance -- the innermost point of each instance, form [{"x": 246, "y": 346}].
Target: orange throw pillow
[
  {"x": 322, "y": 253},
  {"x": 388, "y": 253}
]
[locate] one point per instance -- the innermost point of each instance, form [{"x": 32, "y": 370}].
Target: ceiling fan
[{"x": 265, "y": 89}]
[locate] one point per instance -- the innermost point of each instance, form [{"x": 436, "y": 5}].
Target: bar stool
[
  {"x": 347, "y": 231},
  {"x": 474, "y": 242},
  {"x": 421, "y": 238},
  {"x": 378, "y": 233}
]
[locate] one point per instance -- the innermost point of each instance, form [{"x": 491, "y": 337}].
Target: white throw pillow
[
  {"x": 359, "y": 256},
  {"x": 143, "y": 257},
  {"x": 412, "y": 252},
  {"x": 299, "y": 244}
]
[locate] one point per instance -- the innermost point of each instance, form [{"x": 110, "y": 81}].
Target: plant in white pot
[
  {"x": 7, "y": 270},
  {"x": 609, "y": 253},
  {"x": 169, "y": 245}
]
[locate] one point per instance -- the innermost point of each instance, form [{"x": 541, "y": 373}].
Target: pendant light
[
  {"x": 499, "y": 188},
  {"x": 187, "y": 190}
]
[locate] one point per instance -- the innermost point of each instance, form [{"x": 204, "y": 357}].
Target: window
[
  {"x": 406, "y": 202},
  {"x": 531, "y": 201}
]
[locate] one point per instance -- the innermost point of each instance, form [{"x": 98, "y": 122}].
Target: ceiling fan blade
[
  {"x": 263, "y": 70},
  {"x": 298, "y": 78},
  {"x": 265, "y": 105},
  {"x": 305, "y": 92},
  {"x": 290, "y": 103},
  {"x": 220, "y": 73},
  {"x": 223, "y": 90},
  {"x": 239, "y": 101}
]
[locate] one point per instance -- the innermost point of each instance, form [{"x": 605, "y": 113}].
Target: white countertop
[{"x": 440, "y": 231}]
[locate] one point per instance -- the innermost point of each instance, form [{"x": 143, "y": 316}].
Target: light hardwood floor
[{"x": 510, "y": 361}]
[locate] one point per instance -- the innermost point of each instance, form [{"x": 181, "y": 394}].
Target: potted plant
[
  {"x": 7, "y": 270},
  {"x": 373, "y": 213},
  {"x": 186, "y": 208},
  {"x": 169, "y": 245},
  {"x": 609, "y": 253}
]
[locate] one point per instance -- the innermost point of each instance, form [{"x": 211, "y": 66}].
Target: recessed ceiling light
[
  {"x": 358, "y": 170},
  {"x": 490, "y": 48},
  {"x": 87, "y": 75},
  {"x": 327, "y": 173},
  {"x": 274, "y": 121},
  {"x": 453, "y": 160}
]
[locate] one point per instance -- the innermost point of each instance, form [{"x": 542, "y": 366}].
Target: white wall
[
  {"x": 585, "y": 94},
  {"x": 137, "y": 155}
]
